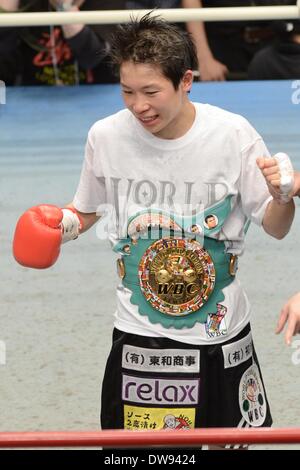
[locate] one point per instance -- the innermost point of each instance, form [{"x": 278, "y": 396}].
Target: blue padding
[{"x": 54, "y": 116}]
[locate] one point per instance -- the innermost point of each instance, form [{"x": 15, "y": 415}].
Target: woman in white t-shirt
[{"x": 182, "y": 342}]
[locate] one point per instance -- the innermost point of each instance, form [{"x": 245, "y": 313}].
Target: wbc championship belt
[{"x": 176, "y": 277}]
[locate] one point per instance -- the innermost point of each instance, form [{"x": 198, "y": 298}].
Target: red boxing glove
[{"x": 39, "y": 234}]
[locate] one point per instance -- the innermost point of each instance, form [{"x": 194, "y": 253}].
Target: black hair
[{"x": 152, "y": 40}]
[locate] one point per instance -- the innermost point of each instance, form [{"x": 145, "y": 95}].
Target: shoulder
[
  {"x": 228, "y": 123},
  {"x": 111, "y": 125},
  {"x": 230, "y": 119}
]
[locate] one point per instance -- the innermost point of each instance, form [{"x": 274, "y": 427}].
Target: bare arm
[
  {"x": 9, "y": 5},
  {"x": 290, "y": 316},
  {"x": 69, "y": 30},
  {"x": 297, "y": 184},
  {"x": 209, "y": 67},
  {"x": 87, "y": 219},
  {"x": 88, "y": 47},
  {"x": 280, "y": 211},
  {"x": 278, "y": 218}
]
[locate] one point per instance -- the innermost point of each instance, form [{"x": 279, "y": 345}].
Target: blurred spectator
[
  {"x": 281, "y": 60},
  {"x": 232, "y": 44},
  {"x": 53, "y": 55},
  {"x": 223, "y": 48},
  {"x": 210, "y": 68}
]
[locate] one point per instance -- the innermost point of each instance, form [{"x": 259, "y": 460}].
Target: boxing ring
[
  {"x": 71, "y": 111},
  {"x": 45, "y": 129}
]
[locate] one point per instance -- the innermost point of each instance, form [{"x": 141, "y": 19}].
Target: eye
[
  {"x": 151, "y": 93},
  {"x": 127, "y": 92}
]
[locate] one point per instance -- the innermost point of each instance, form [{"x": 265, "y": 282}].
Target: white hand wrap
[
  {"x": 286, "y": 176},
  {"x": 70, "y": 225}
]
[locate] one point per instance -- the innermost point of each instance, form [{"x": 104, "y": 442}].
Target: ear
[{"x": 187, "y": 81}]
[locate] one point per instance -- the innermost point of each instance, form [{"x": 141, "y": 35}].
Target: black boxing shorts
[{"x": 157, "y": 383}]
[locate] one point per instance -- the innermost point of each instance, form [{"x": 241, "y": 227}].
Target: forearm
[
  {"x": 9, "y": 5},
  {"x": 297, "y": 184},
  {"x": 87, "y": 48},
  {"x": 87, "y": 219},
  {"x": 278, "y": 218},
  {"x": 290, "y": 316},
  {"x": 197, "y": 30},
  {"x": 70, "y": 30}
]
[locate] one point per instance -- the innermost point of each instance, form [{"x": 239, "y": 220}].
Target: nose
[{"x": 140, "y": 104}]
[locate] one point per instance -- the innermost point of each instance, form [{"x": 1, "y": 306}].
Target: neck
[{"x": 181, "y": 125}]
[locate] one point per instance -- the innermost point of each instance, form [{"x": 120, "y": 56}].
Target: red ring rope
[{"x": 122, "y": 438}]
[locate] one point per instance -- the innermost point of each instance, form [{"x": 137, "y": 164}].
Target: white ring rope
[{"x": 175, "y": 15}]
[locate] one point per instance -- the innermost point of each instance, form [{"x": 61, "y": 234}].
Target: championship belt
[{"x": 176, "y": 277}]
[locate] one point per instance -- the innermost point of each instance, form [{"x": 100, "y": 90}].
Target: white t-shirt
[{"x": 126, "y": 167}]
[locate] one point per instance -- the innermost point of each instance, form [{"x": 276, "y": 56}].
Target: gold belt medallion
[{"x": 176, "y": 276}]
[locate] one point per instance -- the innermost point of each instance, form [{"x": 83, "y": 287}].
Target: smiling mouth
[{"x": 149, "y": 119}]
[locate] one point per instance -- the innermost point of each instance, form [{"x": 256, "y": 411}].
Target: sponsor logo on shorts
[
  {"x": 238, "y": 352},
  {"x": 252, "y": 398},
  {"x": 215, "y": 325},
  {"x": 159, "y": 391},
  {"x": 160, "y": 360},
  {"x": 137, "y": 417}
]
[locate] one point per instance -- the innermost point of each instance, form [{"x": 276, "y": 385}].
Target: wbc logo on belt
[{"x": 176, "y": 276}]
